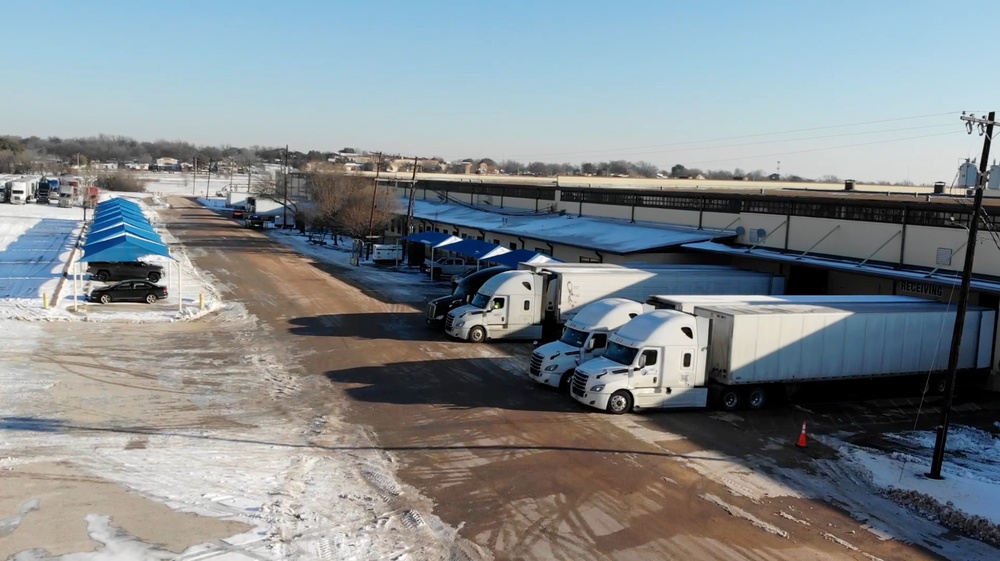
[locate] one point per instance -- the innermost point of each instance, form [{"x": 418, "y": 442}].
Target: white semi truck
[
  {"x": 539, "y": 298},
  {"x": 21, "y": 190},
  {"x": 743, "y": 353},
  {"x": 586, "y": 335}
]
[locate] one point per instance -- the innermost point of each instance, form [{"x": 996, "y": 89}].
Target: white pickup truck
[{"x": 447, "y": 267}]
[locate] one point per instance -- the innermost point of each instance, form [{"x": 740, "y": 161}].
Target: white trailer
[
  {"x": 586, "y": 335},
  {"x": 539, "y": 298},
  {"x": 671, "y": 359},
  {"x": 20, "y": 190},
  {"x": 688, "y": 302}
]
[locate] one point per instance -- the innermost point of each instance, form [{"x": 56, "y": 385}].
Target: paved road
[{"x": 525, "y": 472}]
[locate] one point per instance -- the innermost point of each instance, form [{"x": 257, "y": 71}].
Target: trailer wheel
[
  {"x": 757, "y": 398},
  {"x": 477, "y": 334},
  {"x": 729, "y": 399},
  {"x": 620, "y": 403},
  {"x": 566, "y": 380}
]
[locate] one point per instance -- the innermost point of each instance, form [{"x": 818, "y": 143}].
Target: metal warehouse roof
[
  {"x": 606, "y": 235},
  {"x": 951, "y": 279}
]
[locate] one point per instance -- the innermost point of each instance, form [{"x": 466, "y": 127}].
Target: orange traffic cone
[{"x": 802, "y": 443}]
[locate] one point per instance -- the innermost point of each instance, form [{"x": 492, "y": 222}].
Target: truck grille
[
  {"x": 535, "y": 368},
  {"x": 448, "y": 321},
  {"x": 579, "y": 383},
  {"x": 431, "y": 309}
]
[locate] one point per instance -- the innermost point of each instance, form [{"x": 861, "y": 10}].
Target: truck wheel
[
  {"x": 566, "y": 380},
  {"x": 477, "y": 334},
  {"x": 757, "y": 398},
  {"x": 153, "y": 277},
  {"x": 620, "y": 403},
  {"x": 729, "y": 399},
  {"x": 105, "y": 298},
  {"x": 102, "y": 276}
]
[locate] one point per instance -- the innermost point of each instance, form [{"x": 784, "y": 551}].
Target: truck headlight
[
  {"x": 551, "y": 367},
  {"x": 598, "y": 388},
  {"x": 459, "y": 324}
]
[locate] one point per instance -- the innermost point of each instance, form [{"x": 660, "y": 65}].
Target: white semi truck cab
[
  {"x": 584, "y": 337},
  {"x": 656, "y": 357},
  {"x": 507, "y": 305}
]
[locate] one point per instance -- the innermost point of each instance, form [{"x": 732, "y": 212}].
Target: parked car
[
  {"x": 129, "y": 291},
  {"x": 237, "y": 213},
  {"x": 447, "y": 267},
  {"x": 115, "y": 271}
]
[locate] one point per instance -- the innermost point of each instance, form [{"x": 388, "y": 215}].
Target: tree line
[{"x": 35, "y": 154}]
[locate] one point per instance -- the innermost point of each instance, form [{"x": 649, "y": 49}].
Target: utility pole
[
  {"x": 371, "y": 217},
  {"x": 985, "y": 127},
  {"x": 208, "y": 185},
  {"x": 194, "y": 180},
  {"x": 284, "y": 208},
  {"x": 409, "y": 206}
]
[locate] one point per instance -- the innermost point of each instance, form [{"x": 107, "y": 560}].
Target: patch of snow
[{"x": 967, "y": 499}]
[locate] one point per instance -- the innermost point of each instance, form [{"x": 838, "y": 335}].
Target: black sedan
[{"x": 129, "y": 291}]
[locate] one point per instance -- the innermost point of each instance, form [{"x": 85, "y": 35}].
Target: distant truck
[
  {"x": 66, "y": 192},
  {"x": 21, "y": 191},
  {"x": 46, "y": 187},
  {"x": 466, "y": 287},
  {"x": 536, "y": 300},
  {"x": 743, "y": 354}
]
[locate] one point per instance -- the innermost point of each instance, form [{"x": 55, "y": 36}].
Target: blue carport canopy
[
  {"x": 432, "y": 238},
  {"x": 124, "y": 248},
  {"x": 512, "y": 258},
  {"x": 122, "y": 228},
  {"x": 113, "y": 218},
  {"x": 117, "y": 202},
  {"x": 123, "y": 211},
  {"x": 475, "y": 248}
]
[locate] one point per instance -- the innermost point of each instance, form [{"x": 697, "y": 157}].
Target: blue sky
[{"x": 552, "y": 81}]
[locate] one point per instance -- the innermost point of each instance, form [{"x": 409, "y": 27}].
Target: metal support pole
[
  {"x": 284, "y": 208},
  {"x": 963, "y": 304}
]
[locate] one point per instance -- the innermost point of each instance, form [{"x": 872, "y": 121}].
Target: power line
[
  {"x": 740, "y": 137},
  {"x": 821, "y": 149},
  {"x": 800, "y": 139}
]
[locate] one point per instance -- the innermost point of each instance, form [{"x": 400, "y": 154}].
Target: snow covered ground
[
  {"x": 37, "y": 245},
  {"x": 39, "y": 256}
]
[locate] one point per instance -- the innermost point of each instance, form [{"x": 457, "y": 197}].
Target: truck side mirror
[
  {"x": 642, "y": 361},
  {"x": 590, "y": 344}
]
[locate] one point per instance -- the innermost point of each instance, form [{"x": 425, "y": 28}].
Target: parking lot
[{"x": 314, "y": 415}]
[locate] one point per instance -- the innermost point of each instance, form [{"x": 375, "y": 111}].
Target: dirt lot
[{"x": 317, "y": 417}]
